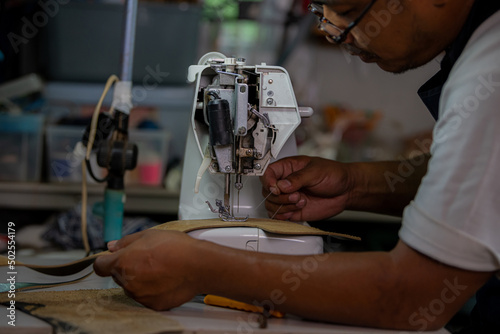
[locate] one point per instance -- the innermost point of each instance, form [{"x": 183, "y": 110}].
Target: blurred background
[{"x": 55, "y": 57}]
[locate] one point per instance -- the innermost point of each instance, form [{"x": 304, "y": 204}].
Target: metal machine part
[
  {"x": 224, "y": 213},
  {"x": 242, "y": 118}
]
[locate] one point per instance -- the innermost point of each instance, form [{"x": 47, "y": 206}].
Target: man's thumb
[{"x": 289, "y": 185}]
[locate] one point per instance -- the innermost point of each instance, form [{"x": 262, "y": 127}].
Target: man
[{"x": 449, "y": 245}]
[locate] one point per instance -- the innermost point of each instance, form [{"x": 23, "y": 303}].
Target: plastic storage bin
[
  {"x": 64, "y": 164},
  {"x": 153, "y": 156},
  {"x": 21, "y": 147}
]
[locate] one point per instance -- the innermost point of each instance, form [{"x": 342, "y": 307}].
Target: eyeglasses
[{"x": 333, "y": 33}]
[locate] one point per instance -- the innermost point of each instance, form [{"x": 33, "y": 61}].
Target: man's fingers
[
  {"x": 285, "y": 186},
  {"x": 296, "y": 180},
  {"x": 274, "y": 190},
  {"x": 274, "y": 209},
  {"x": 280, "y": 170},
  {"x": 112, "y": 245},
  {"x": 115, "y": 245},
  {"x": 292, "y": 198},
  {"x": 291, "y": 216},
  {"x": 268, "y": 181},
  {"x": 104, "y": 264}
]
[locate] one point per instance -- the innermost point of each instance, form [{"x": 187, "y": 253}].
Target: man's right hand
[{"x": 306, "y": 188}]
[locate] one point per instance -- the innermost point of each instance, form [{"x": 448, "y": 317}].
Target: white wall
[{"x": 322, "y": 74}]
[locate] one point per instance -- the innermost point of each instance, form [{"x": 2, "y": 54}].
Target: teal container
[{"x": 114, "y": 201}]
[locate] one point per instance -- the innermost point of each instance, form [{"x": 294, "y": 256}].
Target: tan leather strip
[
  {"x": 57, "y": 270},
  {"x": 38, "y": 286},
  {"x": 268, "y": 225}
]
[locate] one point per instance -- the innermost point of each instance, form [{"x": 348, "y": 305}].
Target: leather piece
[
  {"x": 92, "y": 312},
  {"x": 268, "y": 225},
  {"x": 57, "y": 270}
]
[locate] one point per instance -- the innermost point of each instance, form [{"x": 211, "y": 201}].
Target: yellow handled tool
[{"x": 226, "y": 302}]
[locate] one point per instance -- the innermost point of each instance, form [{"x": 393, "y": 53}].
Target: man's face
[{"x": 390, "y": 34}]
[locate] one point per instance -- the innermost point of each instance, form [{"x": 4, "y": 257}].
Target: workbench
[{"x": 194, "y": 316}]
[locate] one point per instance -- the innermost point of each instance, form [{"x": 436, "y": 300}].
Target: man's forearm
[
  {"x": 388, "y": 290},
  {"x": 386, "y": 187},
  {"x": 345, "y": 292}
]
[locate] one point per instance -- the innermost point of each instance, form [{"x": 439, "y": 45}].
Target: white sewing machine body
[
  {"x": 243, "y": 118},
  {"x": 255, "y": 239}
]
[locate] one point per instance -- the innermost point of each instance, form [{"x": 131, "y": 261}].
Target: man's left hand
[{"x": 154, "y": 267}]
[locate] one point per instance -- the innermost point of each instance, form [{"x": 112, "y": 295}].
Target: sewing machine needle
[
  {"x": 226, "y": 192},
  {"x": 238, "y": 186}
]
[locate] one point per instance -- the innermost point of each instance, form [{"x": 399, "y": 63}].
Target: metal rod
[
  {"x": 227, "y": 193},
  {"x": 129, "y": 40}
]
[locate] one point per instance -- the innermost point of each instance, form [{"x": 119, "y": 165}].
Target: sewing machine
[{"x": 243, "y": 118}]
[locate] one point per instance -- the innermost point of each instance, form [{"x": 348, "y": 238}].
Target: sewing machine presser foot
[{"x": 224, "y": 213}]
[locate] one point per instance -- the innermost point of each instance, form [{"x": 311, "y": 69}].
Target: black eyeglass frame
[{"x": 317, "y": 10}]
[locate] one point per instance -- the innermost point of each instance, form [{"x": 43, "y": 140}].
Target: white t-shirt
[{"x": 455, "y": 216}]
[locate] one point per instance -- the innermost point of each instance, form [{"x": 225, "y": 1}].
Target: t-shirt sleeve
[{"x": 455, "y": 216}]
